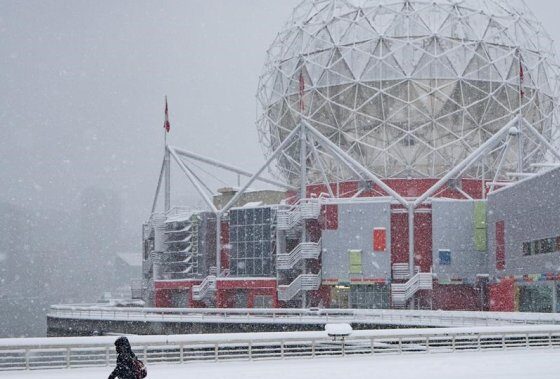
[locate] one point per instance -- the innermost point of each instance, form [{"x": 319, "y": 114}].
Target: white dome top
[{"x": 409, "y": 88}]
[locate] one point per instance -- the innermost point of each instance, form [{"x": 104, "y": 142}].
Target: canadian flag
[
  {"x": 521, "y": 78},
  {"x": 301, "y": 91},
  {"x": 166, "y": 124}
]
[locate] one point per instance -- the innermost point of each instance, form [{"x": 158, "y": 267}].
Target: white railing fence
[
  {"x": 303, "y": 316},
  {"x": 47, "y": 353}
]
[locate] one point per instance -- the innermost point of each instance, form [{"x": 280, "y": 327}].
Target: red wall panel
[
  {"x": 329, "y": 217},
  {"x": 379, "y": 240},
  {"x": 500, "y": 246},
  {"x": 405, "y": 187},
  {"x": 399, "y": 238},
  {"x": 456, "y": 298},
  {"x": 502, "y": 296},
  {"x": 423, "y": 241}
]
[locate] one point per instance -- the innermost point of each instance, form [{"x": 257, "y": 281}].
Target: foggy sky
[{"x": 82, "y": 85}]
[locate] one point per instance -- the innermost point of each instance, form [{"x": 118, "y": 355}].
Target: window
[
  {"x": 542, "y": 246},
  {"x": 355, "y": 261},
  {"x": 369, "y": 297},
  {"x": 379, "y": 239},
  {"x": 252, "y": 241},
  {"x": 262, "y": 301},
  {"x": 444, "y": 257}
]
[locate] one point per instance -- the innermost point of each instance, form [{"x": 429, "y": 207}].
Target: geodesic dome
[{"x": 408, "y": 88}]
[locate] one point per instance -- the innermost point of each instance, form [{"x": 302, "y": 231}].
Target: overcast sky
[{"x": 82, "y": 86}]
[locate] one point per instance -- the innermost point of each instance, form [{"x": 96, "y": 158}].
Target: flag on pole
[
  {"x": 166, "y": 124},
  {"x": 521, "y": 78},
  {"x": 301, "y": 90}
]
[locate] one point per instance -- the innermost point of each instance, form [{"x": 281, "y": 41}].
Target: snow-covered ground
[{"x": 542, "y": 364}]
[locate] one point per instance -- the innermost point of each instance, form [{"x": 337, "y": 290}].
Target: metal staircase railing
[
  {"x": 201, "y": 291},
  {"x": 307, "y": 209},
  {"x": 304, "y": 250},
  {"x": 401, "y": 293},
  {"x": 304, "y": 282},
  {"x": 401, "y": 272}
]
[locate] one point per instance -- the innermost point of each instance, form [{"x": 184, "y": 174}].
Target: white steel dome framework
[{"x": 409, "y": 88}]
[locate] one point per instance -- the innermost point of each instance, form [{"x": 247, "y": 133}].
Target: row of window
[
  {"x": 251, "y": 242},
  {"x": 369, "y": 297},
  {"x": 245, "y": 250},
  {"x": 542, "y": 246},
  {"x": 251, "y": 216},
  {"x": 251, "y": 232},
  {"x": 252, "y": 267}
]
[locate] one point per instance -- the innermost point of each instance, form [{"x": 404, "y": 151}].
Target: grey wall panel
[
  {"x": 356, "y": 222},
  {"x": 453, "y": 229},
  {"x": 531, "y": 211}
]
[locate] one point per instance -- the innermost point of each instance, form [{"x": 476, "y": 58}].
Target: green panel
[
  {"x": 355, "y": 261},
  {"x": 480, "y": 214},
  {"x": 480, "y": 239},
  {"x": 480, "y": 226}
]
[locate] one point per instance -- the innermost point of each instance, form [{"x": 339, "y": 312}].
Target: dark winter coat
[{"x": 125, "y": 360}]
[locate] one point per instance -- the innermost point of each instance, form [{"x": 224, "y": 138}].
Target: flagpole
[
  {"x": 167, "y": 160},
  {"x": 520, "y": 116}
]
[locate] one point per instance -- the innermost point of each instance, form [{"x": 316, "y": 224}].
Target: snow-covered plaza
[{"x": 543, "y": 364}]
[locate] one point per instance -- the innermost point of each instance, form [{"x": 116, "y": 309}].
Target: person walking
[{"x": 128, "y": 366}]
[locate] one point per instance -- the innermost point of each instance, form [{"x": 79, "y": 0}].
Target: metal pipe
[
  {"x": 520, "y": 145},
  {"x": 544, "y": 141},
  {"x": 467, "y": 161},
  {"x": 219, "y": 243},
  {"x": 500, "y": 164},
  {"x": 351, "y": 162},
  {"x": 193, "y": 180},
  {"x": 323, "y": 172},
  {"x": 158, "y": 188},
  {"x": 257, "y": 174},
  {"x": 302, "y": 195},
  {"x": 167, "y": 164},
  {"x": 411, "y": 240},
  {"x": 229, "y": 167}
]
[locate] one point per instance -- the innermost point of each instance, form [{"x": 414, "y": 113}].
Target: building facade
[{"x": 410, "y": 141}]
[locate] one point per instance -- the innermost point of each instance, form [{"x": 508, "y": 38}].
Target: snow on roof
[
  {"x": 131, "y": 259},
  {"x": 253, "y": 204}
]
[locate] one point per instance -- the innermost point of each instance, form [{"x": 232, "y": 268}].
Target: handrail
[
  {"x": 304, "y": 282},
  {"x": 203, "y": 289},
  {"x": 401, "y": 272},
  {"x": 305, "y": 209},
  {"x": 302, "y": 316},
  {"x": 74, "y": 352},
  {"x": 304, "y": 250},
  {"x": 402, "y": 292}
]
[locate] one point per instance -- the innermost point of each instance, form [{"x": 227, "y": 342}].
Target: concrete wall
[
  {"x": 453, "y": 229},
  {"x": 531, "y": 211},
  {"x": 356, "y": 222}
]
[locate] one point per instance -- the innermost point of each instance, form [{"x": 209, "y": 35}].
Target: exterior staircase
[
  {"x": 304, "y": 250},
  {"x": 307, "y": 209},
  {"x": 206, "y": 288},
  {"x": 401, "y": 272},
  {"x": 304, "y": 282},
  {"x": 402, "y": 292}
]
